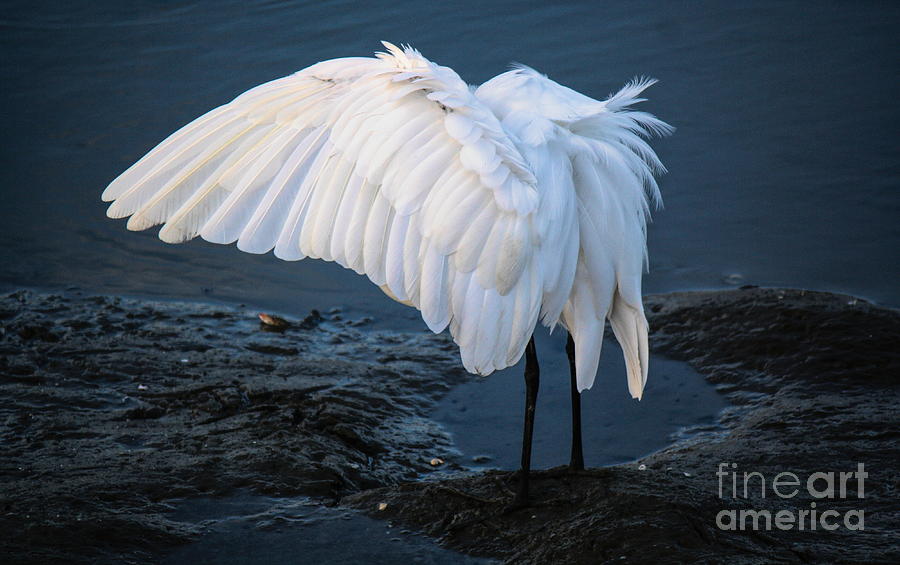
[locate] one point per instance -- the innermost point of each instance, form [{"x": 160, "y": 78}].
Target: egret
[{"x": 488, "y": 209}]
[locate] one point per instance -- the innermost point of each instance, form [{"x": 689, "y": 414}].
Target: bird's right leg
[
  {"x": 576, "y": 463},
  {"x": 532, "y": 382}
]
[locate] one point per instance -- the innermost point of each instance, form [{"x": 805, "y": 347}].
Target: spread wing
[{"x": 388, "y": 166}]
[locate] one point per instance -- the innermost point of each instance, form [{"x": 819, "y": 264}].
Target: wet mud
[
  {"x": 114, "y": 412},
  {"x": 814, "y": 380}
]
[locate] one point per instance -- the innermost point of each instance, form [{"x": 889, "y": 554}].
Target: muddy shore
[
  {"x": 112, "y": 410},
  {"x": 814, "y": 381}
]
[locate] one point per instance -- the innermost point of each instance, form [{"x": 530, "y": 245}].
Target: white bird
[{"x": 486, "y": 208}]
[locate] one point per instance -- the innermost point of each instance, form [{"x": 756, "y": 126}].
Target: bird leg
[
  {"x": 532, "y": 382},
  {"x": 576, "y": 463}
]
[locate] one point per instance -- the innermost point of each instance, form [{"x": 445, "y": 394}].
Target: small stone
[
  {"x": 382, "y": 506},
  {"x": 436, "y": 462},
  {"x": 273, "y": 321}
]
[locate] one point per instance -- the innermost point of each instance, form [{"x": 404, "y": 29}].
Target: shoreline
[{"x": 227, "y": 406}]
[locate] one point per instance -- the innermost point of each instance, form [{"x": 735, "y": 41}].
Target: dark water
[
  {"x": 246, "y": 529},
  {"x": 486, "y": 416},
  {"x": 784, "y": 168}
]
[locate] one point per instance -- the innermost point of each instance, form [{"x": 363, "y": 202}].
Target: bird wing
[{"x": 388, "y": 166}]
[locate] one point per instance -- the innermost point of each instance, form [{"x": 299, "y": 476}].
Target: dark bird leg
[
  {"x": 532, "y": 382},
  {"x": 576, "y": 463}
]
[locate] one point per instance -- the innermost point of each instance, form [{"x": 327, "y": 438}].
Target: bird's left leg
[
  {"x": 576, "y": 463},
  {"x": 532, "y": 382}
]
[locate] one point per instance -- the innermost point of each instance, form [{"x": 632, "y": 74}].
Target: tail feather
[
  {"x": 588, "y": 342},
  {"x": 630, "y": 328}
]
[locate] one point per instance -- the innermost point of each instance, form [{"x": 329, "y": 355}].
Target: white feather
[{"x": 484, "y": 209}]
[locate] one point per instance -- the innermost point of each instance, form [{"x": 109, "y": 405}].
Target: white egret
[{"x": 486, "y": 208}]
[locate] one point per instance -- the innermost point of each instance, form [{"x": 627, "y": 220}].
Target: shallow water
[
  {"x": 249, "y": 529},
  {"x": 485, "y": 416}
]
